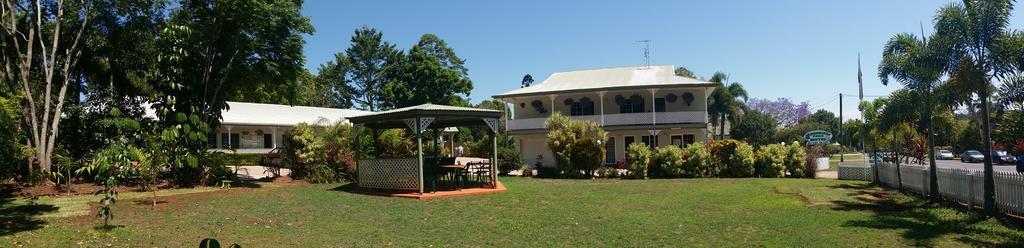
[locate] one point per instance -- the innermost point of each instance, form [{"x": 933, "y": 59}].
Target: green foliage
[
  {"x": 321, "y": 152},
  {"x": 756, "y": 128},
  {"x": 430, "y": 73},
  {"x": 666, "y": 162},
  {"x": 771, "y": 160},
  {"x": 373, "y": 62},
  {"x": 796, "y": 132},
  {"x": 698, "y": 161},
  {"x": 734, "y": 158},
  {"x": 795, "y": 156},
  {"x": 639, "y": 159},
  {"x": 577, "y": 144},
  {"x": 509, "y": 158},
  {"x": 1011, "y": 130},
  {"x": 12, "y": 150},
  {"x": 394, "y": 143},
  {"x": 726, "y": 102}
]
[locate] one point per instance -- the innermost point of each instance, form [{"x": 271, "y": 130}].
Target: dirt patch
[{"x": 801, "y": 197}]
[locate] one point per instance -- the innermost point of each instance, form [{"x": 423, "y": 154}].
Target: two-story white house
[{"x": 647, "y": 104}]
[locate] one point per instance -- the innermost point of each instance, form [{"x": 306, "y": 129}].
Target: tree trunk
[
  {"x": 933, "y": 174},
  {"x": 990, "y": 186},
  {"x": 896, "y": 158},
  {"x": 721, "y": 127}
]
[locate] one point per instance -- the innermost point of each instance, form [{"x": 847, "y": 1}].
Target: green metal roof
[{"x": 444, "y": 116}]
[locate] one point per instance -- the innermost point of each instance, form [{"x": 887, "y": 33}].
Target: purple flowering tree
[{"x": 783, "y": 109}]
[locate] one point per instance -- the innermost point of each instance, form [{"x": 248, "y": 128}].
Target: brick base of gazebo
[{"x": 433, "y": 195}]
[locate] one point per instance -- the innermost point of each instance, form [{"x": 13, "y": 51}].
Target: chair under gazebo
[{"x": 417, "y": 177}]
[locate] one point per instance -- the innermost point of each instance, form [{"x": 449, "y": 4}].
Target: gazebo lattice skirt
[{"x": 390, "y": 173}]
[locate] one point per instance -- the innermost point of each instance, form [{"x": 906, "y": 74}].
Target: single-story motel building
[
  {"x": 648, "y": 104},
  {"x": 259, "y": 128}
]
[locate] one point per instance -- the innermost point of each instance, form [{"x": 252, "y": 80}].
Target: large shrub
[
  {"x": 771, "y": 160},
  {"x": 639, "y": 158},
  {"x": 394, "y": 143},
  {"x": 734, "y": 158},
  {"x": 795, "y": 157},
  {"x": 577, "y": 144},
  {"x": 697, "y": 161},
  {"x": 757, "y": 128},
  {"x": 314, "y": 149},
  {"x": 667, "y": 162},
  {"x": 509, "y": 158},
  {"x": 12, "y": 152}
]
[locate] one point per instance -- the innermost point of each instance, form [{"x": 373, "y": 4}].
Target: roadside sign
[{"x": 818, "y": 137}]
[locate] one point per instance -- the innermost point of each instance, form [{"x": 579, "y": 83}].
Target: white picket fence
[{"x": 960, "y": 185}]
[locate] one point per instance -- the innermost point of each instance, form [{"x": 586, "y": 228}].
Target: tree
[
  {"x": 577, "y": 144},
  {"x": 918, "y": 65},
  {"x": 782, "y": 109},
  {"x": 371, "y": 59},
  {"x": 756, "y": 128},
  {"x": 527, "y": 81},
  {"x": 824, "y": 117},
  {"x": 683, "y": 72},
  {"x": 430, "y": 73},
  {"x": 982, "y": 48},
  {"x": 55, "y": 30},
  {"x": 210, "y": 49},
  {"x": 333, "y": 83},
  {"x": 724, "y": 102}
]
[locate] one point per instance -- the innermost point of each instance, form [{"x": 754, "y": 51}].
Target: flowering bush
[
  {"x": 639, "y": 159},
  {"x": 667, "y": 162},
  {"x": 733, "y": 158},
  {"x": 697, "y": 161}
]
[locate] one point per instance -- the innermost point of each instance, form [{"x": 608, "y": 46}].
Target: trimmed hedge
[
  {"x": 771, "y": 160},
  {"x": 734, "y": 158},
  {"x": 666, "y": 162},
  {"x": 698, "y": 161}
]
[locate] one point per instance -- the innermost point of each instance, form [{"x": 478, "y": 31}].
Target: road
[{"x": 972, "y": 166}]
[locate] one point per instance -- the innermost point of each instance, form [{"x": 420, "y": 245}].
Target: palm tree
[
  {"x": 918, "y": 65},
  {"x": 725, "y": 102},
  {"x": 983, "y": 49}
]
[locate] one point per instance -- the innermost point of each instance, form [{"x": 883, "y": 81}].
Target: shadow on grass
[
  {"x": 246, "y": 184},
  {"x": 148, "y": 202},
  {"x": 923, "y": 223},
  {"x": 15, "y": 218}
]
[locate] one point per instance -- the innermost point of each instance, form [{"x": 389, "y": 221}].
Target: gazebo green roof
[{"x": 444, "y": 116}]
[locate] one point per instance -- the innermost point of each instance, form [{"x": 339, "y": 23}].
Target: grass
[
  {"x": 534, "y": 212},
  {"x": 833, "y": 161}
]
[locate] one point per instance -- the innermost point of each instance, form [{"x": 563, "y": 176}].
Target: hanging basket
[
  {"x": 671, "y": 98},
  {"x": 688, "y": 98}
]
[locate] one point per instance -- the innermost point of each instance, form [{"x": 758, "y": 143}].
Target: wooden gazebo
[{"x": 407, "y": 174}]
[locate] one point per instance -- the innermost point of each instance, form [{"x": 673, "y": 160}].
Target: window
[
  {"x": 650, "y": 140},
  {"x": 676, "y": 140},
  {"x": 211, "y": 140},
  {"x": 268, "y": 140},
  {"x": 225, "y": 139},
  {"x": 633, "y": 104},
  {"x": 609, "y": 151},
  {"x": 688, "y": 139},
  {"x": 584, "y": 106},
  {"x": 659, "y": 104},
  {"x": 235, "y": 140},
  {"x": 628, "y": 140}
]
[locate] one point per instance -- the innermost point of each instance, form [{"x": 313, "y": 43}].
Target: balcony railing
[{"x": 646, "y": 118}]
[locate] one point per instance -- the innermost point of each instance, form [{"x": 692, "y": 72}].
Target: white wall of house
[{"x": 250, "y": 138}]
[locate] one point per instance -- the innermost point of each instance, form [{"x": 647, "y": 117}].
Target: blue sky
[{"x": 805, "y": 50}]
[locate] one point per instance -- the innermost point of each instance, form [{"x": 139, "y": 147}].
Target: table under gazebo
[{"x": 419, "y": 174}]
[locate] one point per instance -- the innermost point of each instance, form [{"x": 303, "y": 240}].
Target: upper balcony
[
  {"x": 630, "y": 119},
  {"x": 613, "y": 108}
]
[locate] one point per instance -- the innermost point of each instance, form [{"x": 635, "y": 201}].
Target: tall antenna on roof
[{"x": 647, "y": 53}]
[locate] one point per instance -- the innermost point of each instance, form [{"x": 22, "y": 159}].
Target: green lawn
[
  {"x": 849, "y": 158},
  {"x": 534, "y": 212}
]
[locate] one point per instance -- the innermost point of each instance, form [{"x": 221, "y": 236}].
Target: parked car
[
  {"x": 944, "y": 155},
  {"x": 972, "y": 156},
  {"x": 1001, "y": 157}
]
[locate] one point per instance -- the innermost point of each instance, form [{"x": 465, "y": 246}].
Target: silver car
[
  {"x": 972, "y": 156},
  {"x": 944, "y": 155}
]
